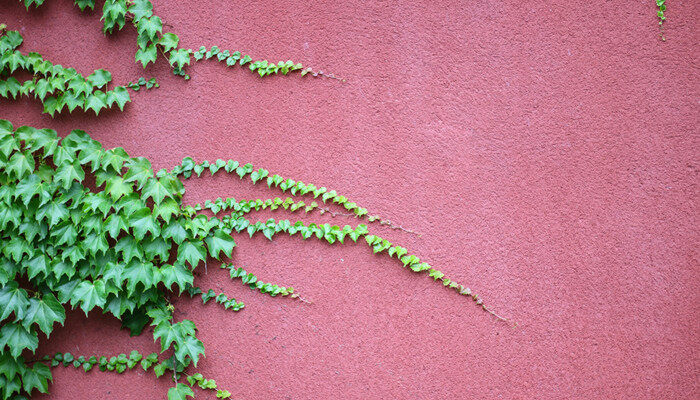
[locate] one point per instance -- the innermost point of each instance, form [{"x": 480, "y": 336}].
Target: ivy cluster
[
  {"x": 117, "y": 364},
  {"x": 127, "y": 245},
  {"x": 58, "y": 88},
  {"x": 92, "y": 228}
]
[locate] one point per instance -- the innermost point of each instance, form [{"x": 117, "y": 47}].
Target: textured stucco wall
[{"x": 547, "y": 152}]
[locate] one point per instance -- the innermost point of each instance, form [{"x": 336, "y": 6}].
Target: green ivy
[
  {"x": 126, "y": 243},
  {"x": 60, "y": 88},
  {"x": 661, "y": 4}
]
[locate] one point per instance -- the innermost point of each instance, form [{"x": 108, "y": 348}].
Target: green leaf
[
  {"x": 89, "y": 295},
  {"x": 169, "y": 333},
  {"x": 180, "y": 392},
  {"x": 218, "y": 242},
  {"x": 139, "y": 171},
  {"x": 179, "y": 58},
  {"x": 96, "y": 101},
  {"x": 191, "y": 347},
  {"x": 83, "y": 4},
  {"x": 119, "y": 95},
  {"x": 140, "y": 9},
  {"x": 174, "y": 230},
  {"x": 13, "y": 299},
  {"x": 114, "y": 159},
  {"x": 10, "y": 41},
  {"x": 150, "y": 27},
  {"x": 177, "y": 274},
  {"x": 142, "y": 221},
  {"x": 134, "y": 322},
  {"x": 166, "y": 209},
  {"x": 157, "y": 248},
  {"x": 117, "y": 187},
  {"x": 37, "y": 377},
  {"x": 169, "y": 41},
  {"x": 10, "y": 87},
  {"x": 140, "y": 272},
  {"x": 20, "y": 164},
  {"x": 67, "y": 172},
  {"x": 99, "y": 78},
  {"x": 17, "y": 338},
  {"x": 158, "y": 189},
  {"x": 147, "y": 55},
  {"x": 191, "y": 252},
  {"x": 44, "y": 313}
]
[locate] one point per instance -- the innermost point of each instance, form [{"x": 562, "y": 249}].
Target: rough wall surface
[{"x": 546, "y": 151}]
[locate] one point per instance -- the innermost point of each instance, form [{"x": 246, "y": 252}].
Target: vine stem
[
  {"x": 296, "y": 296},
  {"x": 385, "y": 222},
  {"x": 500, "y": 318}
]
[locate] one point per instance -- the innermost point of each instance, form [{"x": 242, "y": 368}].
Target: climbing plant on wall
[{"x": 125, "y": 243}]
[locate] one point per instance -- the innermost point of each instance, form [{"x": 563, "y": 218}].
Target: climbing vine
[
  {"x": 661, "y": 4},
  {"x": 86, "y": 227}
]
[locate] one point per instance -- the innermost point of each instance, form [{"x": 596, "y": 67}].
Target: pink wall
[{"x": 548, "y": 154}]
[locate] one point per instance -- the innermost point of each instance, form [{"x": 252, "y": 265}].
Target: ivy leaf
[
  {"x": 158, "y": 189},
  {"x": 180, "y": 392},
  {"x": 9, "y": 366},
  {"x": 115, "y": 224},
  {"x": 96, "y": 101},
  {"x": 20, "y": 164},
  {"x": 37, "y": 265},
  {"x": 89, "y": 295},
  {"x": 114, "y": 158},
  {"x": 179, "y": 58},
  {"x": 140, "y": 272},
  {"x": 169, "y": 41},
  {"x": 72, "y": 100},
  {"x": 147, "y": 55},
  {"x": 67, "y": 172},
  {"x": 83, "y": 4},
  {"x": 141, "y": 9},
  {"x": 150, "y": 27},
  {"x": 166, "y": 209},
  {"x": 17, "y": 338},
  {"x": 10, "y": 41},
  {"x": 139, "y": 171},
  {"x": 142, "y": 221},
  {"x": 178, "y": 274},
  {"x": 191, "y": 252},
  {"x": 13, "y": 299},
  {"x": 157, "y": 247},
  {"x": 99, "y": 78},
  {"x": 169, "y": 333},
  {"x": 37, "y": 377},
  {"x": 174, "y": 230},
  {"x": 218, "y": 242},
  {"x": 191, "y": 347},
  {"x": 9, "y": 87},
  {"x": 44, "y": 313},
  {"x": 118, "y": 187},
  {"x": 14, "y": 60},
  {"x": 119, "y": 95}
]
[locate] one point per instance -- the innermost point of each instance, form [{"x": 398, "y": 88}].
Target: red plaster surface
[{"x": 547, "y": 152}]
